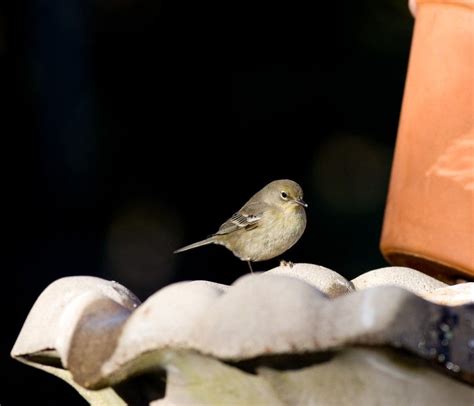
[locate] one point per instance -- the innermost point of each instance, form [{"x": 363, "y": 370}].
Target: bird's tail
[{"x": 207, "y": 241}]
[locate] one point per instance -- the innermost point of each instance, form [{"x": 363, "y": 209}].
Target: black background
[{"x": 131, "y": 128}]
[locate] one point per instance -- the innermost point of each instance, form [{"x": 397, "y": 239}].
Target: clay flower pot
[{"x": 429, "y": 218}]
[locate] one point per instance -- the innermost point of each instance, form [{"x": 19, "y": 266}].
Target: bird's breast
[{"x": 277, "y": 231}]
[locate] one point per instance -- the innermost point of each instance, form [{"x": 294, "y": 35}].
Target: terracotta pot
[{"x": 429, "y": 218}]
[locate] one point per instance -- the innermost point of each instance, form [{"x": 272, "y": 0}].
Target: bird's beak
[{"x": 301, "y": 202}]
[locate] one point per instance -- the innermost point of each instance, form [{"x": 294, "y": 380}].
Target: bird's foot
[{"x": 286, "y": 263}]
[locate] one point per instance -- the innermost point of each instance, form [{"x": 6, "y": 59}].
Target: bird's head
[{"x": 284, "y": 193}]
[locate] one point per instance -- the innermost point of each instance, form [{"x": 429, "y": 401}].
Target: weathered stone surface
[
  {"x": 58, "y": 311},
  {"x": 104, "y": 397},
  {"x": 93, "y": 341},
  {"x": 192, "y": 379},
  {"x": 407, "y": 278},
  {"x": 248, "y": 322},
  {"x": 455, "y": 295},
  {"x": 367, "y": 377},
  {"x": 164, "y": 320},
  {"x": 260, "y": 315},
  {"x": 276, "y": 324},
  {"x": 324, "y": 279}
]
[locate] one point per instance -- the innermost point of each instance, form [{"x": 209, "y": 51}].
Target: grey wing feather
[{"x": 246, "y": 218}]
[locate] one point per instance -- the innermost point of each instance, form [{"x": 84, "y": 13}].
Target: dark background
[{"x": 132, "y": 127}]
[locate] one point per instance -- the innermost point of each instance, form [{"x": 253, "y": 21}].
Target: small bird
[{"x": 270, "y": 223}]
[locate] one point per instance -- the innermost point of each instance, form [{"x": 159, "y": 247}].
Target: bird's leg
[
  {"x": 286, "y": 263},
  {"x": 250, "y": 266}
]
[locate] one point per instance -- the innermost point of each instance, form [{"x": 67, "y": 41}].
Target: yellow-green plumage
[{"x": 270, "y": 223}]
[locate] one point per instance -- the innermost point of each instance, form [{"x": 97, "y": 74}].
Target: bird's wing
[{"x": 246, "y": 218}]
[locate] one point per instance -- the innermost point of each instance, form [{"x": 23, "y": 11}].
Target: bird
[{"x": 270, "y": 223}]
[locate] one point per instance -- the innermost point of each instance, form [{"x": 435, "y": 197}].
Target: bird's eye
[{"x": 284, "y": 195}]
